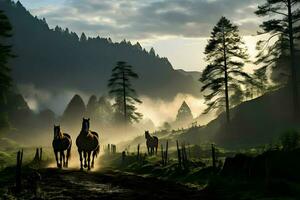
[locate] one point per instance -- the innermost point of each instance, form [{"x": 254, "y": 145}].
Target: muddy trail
[{"x": 74, "y": 184}]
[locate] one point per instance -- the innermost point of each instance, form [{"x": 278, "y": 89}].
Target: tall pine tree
[
  {"x": 284, "y": 27},
  {"x": 5, "y": 55},
  {"x": 124, "y": 95},
  {"x": 222, "y": 77}
]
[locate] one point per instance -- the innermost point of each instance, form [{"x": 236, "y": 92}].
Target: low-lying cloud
[{"x": 157, "y": 110}]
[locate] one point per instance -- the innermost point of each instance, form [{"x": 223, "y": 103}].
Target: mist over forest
[{"x": 87, "y": 117}]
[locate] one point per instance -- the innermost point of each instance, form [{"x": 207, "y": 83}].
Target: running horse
[
  {"x": 61, "y": 142},
  {"x": 87, "y": 143},
  {"x": 151, "y": 142}
]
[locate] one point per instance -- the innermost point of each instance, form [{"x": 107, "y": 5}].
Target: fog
[{"x": 155, "y": 113}]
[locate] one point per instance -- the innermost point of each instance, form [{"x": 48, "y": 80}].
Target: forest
[{"x": 87, "y": 117}]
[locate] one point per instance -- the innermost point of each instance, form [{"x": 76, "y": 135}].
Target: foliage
[
  {"x": 259, "y": 83},
  {"x": 5, "y": 55},
  {"x": 282, "y": 30},
  {"x": 104, "y": 110},
  {"x": 290, "y": 140},
  {"x": 124, "y": 95},
  {"x": 224, "y": 74}
]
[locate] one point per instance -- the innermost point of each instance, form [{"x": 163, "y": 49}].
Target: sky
[{"x": 177, "y": 29}]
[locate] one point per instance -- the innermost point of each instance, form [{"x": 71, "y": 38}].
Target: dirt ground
[{"x": 73, "y": 184}]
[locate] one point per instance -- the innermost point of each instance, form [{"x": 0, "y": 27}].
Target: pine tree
[
  {"x": 284, "y": 27},
  {"x": 184, "y": 113},
  {"x": 5, "y": 78},
  {"x": 152, "y": 52},
  {"x": 83, "y": 38},
  {"x": 222, "y": 77},
  {"x": 124, "y": 95}
]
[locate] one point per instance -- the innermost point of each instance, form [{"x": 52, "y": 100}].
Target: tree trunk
[
  {"x": 293, "y": 65},
  {"x": 124, "y": 98},
  {"x": 226, "y": 78}
]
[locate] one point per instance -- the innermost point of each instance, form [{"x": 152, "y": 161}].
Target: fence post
[
  {"x": 138, "y": 152},
  {"x": 162, "y": 154},
  {"x": 166, "y": 153},
  {"x": 19, "y": 171},
  {"x": 41, "y": 153},
  {"x": 178, "y": 154},
  {"x": 213, "y": 154}
]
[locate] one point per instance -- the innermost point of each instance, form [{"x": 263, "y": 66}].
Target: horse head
[
  {"x": 57, "y": 132},
  {"x": 147, "y": 135},
  {"x": 85, "y": 125}
]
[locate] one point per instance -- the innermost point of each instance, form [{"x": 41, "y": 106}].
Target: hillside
[
  {"x": 51, "y": 58},
  {"x": 255, "y": 122}
]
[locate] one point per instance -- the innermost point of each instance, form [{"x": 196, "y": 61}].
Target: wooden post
[
  {"x": 178, "y": 154},
  {"x": 19, "y": 171},
  {"x": 138, "y": 152},
  {"x": 162, "y": 154},
  {"x": 189, "y": 149},
  {"x": 213, "y": 154},
  {"x": 166, "y": 153},
  {"x": 41, "y": 153}
]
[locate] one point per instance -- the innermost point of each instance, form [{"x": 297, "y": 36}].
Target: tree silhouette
[
  {"x": 124, "y": 95},
  {"x": 92, "y": 107},
  {"x": 74, "y": 111},
  {"x": 184, "y": 113},
  {"x": 5, "y": 54},
  {"x": 223, "y": 76},
  {"x": 284, "y": 26}
]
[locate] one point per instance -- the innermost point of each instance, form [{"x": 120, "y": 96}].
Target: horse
[
  {"x": 87, "y": 143},
  {"x": 61, "y": 142},
  {"x": 151, "y": 142}
]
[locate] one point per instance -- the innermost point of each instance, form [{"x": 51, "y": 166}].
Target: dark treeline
[{"x": 50, "y": 58}]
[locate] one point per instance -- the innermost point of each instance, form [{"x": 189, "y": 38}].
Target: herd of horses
[{"x": 88, "y": 146}]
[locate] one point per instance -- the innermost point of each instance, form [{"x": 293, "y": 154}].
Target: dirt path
[{"x": 72, "y": 184}]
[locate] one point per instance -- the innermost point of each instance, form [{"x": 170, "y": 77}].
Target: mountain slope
[
  {"x": 58, "y": 60},
  {"x": 255, "y": 122}
]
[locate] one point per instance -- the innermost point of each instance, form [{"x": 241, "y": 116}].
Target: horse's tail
[
  {"x": 69, "y": 151},
  {"x": 70, "y": 146},
  {"x": 97, "y": 151}
]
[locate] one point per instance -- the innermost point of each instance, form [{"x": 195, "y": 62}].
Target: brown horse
[
  {"x": 61, "y": 142},
  {"x": 87, "y": 143},
  {"x": 151, "y": 142}
]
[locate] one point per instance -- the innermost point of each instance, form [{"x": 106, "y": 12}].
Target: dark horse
[
  {"x": 151, "y": 142},
  {"x": 87, "y": 143},
  {"x": 61, "y": 142}
]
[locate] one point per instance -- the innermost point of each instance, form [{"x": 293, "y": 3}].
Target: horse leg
[
  {"x": 148, "y": 149},
  {"x": 93, "y": 158},
  {"x": 85, "y": 154},
  {"x": 89, "y": 160},
  {"x": 80, "y": 157},
  {"x": 56, "y": 158},
  {"x": 68, "y": 157},
  {"x": 60, "y": 159},
  {"x": 63, "y": 158},
  {"x": 156, "y": 150}
]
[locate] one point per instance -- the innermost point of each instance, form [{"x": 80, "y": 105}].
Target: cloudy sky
[{"x": 177, "y": 29}]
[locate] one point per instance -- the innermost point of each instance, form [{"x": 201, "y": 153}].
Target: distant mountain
[
  {"x": 194, "y": 74},
  {"x": 58, "y": 60}
]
